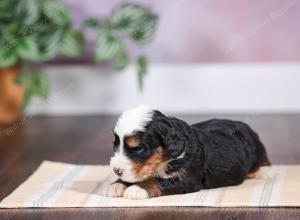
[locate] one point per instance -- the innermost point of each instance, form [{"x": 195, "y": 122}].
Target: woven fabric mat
[{"x": 56, "y": 184}]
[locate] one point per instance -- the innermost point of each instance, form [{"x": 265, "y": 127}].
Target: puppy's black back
[{"x": 232, "y": 150}]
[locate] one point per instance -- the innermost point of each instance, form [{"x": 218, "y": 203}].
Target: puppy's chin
[{"x": 130, "y": 179}]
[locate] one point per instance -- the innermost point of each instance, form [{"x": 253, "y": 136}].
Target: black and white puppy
[{"x": 156, "y": 155}]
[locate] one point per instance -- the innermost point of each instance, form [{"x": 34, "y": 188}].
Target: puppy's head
[{"x": 144, "y": 143}]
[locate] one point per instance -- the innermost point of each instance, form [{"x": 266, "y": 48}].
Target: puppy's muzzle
[{"x": 118, "y": 171}]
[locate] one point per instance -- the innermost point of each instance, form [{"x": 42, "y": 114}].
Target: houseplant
[
  {"x": 34, "y": 31},
  {"x": 31, "y": 31},
  {"x": 128, "y": 22}
]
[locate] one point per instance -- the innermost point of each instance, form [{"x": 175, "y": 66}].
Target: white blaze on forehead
[{"x": 133, "y": 119}]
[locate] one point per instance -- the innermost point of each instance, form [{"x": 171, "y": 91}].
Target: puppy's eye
[{"x": 138, "y": 150}]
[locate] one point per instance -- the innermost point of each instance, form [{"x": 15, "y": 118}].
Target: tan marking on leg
[
  {"x": 151, "y": 187},
  {"x": 251, "y": 175}
]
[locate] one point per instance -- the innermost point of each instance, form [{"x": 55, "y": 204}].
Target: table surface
[{"x": 87, "y": 140}]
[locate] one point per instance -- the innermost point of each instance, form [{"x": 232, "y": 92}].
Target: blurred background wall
[
  {"x": 206, "y": 56},
  {"x": 213, "y": 30}
]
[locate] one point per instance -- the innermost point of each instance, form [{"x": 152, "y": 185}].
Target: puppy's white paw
[
  {"x": 114, "y": 190},
  {"x": 135, "y": 192}
]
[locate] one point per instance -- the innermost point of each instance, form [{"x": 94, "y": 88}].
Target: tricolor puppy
[{"x": 157, "y": 155}]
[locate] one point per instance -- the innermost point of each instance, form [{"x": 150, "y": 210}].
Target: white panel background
[{"x": 174, "y": 88}]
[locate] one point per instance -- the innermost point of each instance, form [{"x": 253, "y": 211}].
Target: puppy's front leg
[
  {"x": 115, "y": 189},
  {"x": 143, "y": 190},
  {"x": 159, "y": 187}
]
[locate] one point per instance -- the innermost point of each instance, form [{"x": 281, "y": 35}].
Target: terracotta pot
[{"x": 11, "y": 95}]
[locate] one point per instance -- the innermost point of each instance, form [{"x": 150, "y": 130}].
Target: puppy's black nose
[{"x": 118, "y": 171}]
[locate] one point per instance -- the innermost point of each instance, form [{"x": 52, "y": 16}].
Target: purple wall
[{"x": 213, "y": 30}]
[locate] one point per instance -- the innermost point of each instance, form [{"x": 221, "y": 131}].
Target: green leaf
[
  {"x": 102, "y": 23},
  {"x": 5, "y": 16},
  {"x": 39, "y": 85},
  {"x": 144, "y": 29},
  {"x": 8, "y": 57},
  {"x": 125, "y": 17},
  {"x": 24, "y": 77},
  {"x": 28, "y": 49},
  {"x": 50, "y": 44},
  {"x": 71, "y": 45},
  {"x": 28, "y": 11},
  {"x": 135, "y": 21},
  {"x": 10, "y": 34},
  {"x": 56, "y": 12},
  {"x": 142, "y": 66},
  {"x": 4, "y": 5},
  {"x": 92, "y": 22},
  {"x": 121, "y": 60},
  {"x": 35, "y": 84},
  {"x": 107, "y": 47},
  {"x": 27, "y": 98}
]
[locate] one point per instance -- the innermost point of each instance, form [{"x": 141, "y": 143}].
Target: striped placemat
[{"x": 57, "y": 184}]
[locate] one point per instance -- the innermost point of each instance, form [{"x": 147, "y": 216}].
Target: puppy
[{"x": 156, "y": 155}]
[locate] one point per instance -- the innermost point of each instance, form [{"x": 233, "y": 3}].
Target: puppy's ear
[
  {"x": 173, "y": 134},
  {"x": 174, "y": 142}
]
